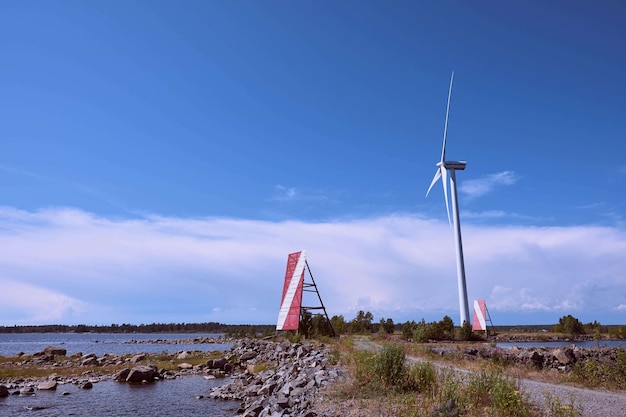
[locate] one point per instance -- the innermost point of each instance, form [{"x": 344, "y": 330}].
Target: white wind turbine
[{"x": 443, "y": 167}]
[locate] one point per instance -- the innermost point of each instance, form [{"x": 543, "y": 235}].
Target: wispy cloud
[
  {"x": 479, "y": 187},
  {"x": 285, "y": 194},
  {"x": 48, "y": 180},
  {"x": 67, "y": 265}
]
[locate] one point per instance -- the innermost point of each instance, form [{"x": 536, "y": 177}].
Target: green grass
[{"x": 386, "y": 375}]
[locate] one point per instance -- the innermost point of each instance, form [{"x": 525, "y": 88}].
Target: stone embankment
[
  {"x": 542, "y": 337},
  {"x": 560, "y": 358},
  {"x": 277, "y": 378}
]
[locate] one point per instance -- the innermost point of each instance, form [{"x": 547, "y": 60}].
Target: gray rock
[
  {"x": 142, "y": 373},
  {"x": 89, "y": 361},
  {"x": 121, "y": 375},
  {"x": 216, "y": 363},
  {"x": 565, "y": 356},
  {"x": 137, "y": 358},
  {"x": 288, "y": 388},
  {"x": 183, "y": 355},
  {"x": 54, "y": 351},
  {"x": 4, "y": 391},
  {"x": 248, "y": 355},
  {"x": 47, "y": 385}
]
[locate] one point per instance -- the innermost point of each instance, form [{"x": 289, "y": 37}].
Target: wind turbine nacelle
[{"x": 456, "y": 165}]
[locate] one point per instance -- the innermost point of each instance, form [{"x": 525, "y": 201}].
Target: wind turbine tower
[{"x": 443, "y": 168}]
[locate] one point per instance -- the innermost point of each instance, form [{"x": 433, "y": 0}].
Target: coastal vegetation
[{"x": 384, "y": 382}]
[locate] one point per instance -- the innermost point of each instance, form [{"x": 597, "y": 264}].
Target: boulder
[
  {"x": 142, "y": 373},
  {"x": 54, "y": 351},
  {"x": 183, "y": 355},
  {"x": 137, "y": 358},
  {"x": 85, "y": 385},
  {"x": 185, "y": 365},
  {"x": 89, "y": 361},
  {"x": 565, "y": 356},
  {"x": 216, "y": 363},
  {"x": 4, "y": 391},
  {"x": 248, "y": 355},
  {"x": 47, "y": 385},
  {"x": 121, "y": 375}
]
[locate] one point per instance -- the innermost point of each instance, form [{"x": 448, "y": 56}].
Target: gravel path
[{"x": 594, "y": 403}]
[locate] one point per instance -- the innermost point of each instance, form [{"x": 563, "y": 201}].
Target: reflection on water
[{"x": 108, "y": 398}]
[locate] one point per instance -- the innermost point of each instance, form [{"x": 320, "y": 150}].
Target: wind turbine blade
[
  {"x": 436, "y": 177},
  {"x": 445, "y": 129},
  {"x": 444, "y": 180}
]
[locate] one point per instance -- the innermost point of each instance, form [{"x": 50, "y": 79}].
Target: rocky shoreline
[
  {"x": 190, "y": 341},
  {"x": 269, "y": 378},
  {"x": 134, "y": 369},
  {"x": 561, "y": 358},
  {"x": 278, "y": 378}
]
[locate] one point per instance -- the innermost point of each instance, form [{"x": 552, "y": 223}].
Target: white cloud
[
  {"x": 69, "y": 266},
  {"x": 485, "y": 185},
  {"x": 621, "y": 307},
  {"x": 33, "y": 304}
]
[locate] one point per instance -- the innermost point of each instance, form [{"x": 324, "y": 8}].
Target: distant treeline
[{"x": 229, "y": 329}]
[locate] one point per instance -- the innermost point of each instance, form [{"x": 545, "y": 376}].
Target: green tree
[
  {"x": 407, "y": 329},
  {"x": 466, "y": 331},
  {"x": 570, "y": 325},
  {"x": 447, "y": 324},
  {"x": 389, "y": 326},
  {"x": 320, "y": 326},
  {"x": 362, "y": 323},
  {"x": 339, "y": 324}
]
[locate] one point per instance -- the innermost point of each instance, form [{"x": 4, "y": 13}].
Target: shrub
[
  {"x": 421, "y": 377},
  {"x": 389, "y": 365},
  {"x": 506, "y": 398},
  {"x": 364, "y": 368},
  {"x": 558, "y": 409}
]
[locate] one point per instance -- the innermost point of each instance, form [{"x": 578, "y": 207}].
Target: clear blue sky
[{"x": 160, "y": 159}]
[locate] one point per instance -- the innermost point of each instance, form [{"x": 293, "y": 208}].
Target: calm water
[
  {"x": 162, "y": 398},
  {"x": 101, "y": 343},
  {"x": 109, "y": 398}
]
